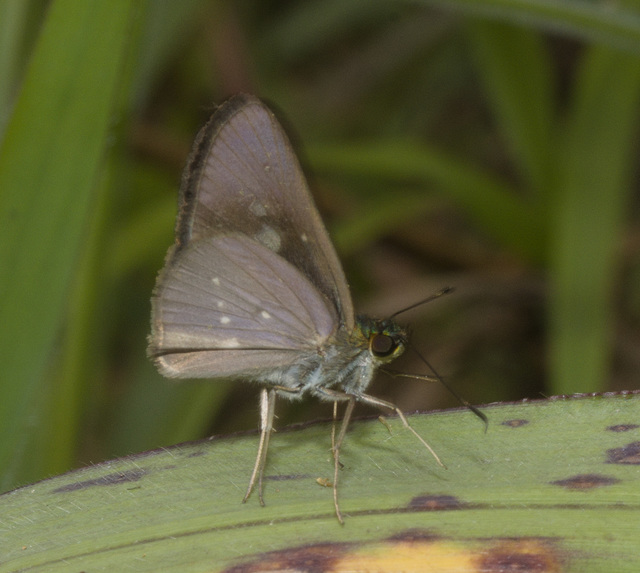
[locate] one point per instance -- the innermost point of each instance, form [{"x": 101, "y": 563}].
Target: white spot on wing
[
  {"x": 270, "y": 238},
  {"x": 265, "y": 314},
  {"x": 225, "y": 320},
  {"x": 304, "y": 237},
  {"x": 215, "y": 281},
  {"x": 219, "y": 304},
  {"x": 258, "y": 209}
]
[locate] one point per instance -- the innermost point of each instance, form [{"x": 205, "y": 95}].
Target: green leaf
[
  {"x": 517, "y": 72},
  {"x": 379, "y": 216},
  {"x": 550, "y": 483},
  {"x": 612, "y": 24},
  {"x": 592, "y": 197},
  {"x": 50, "y": 164},
  {"x": 488, "y": 201},
  {"x": 14, "y": 15}
]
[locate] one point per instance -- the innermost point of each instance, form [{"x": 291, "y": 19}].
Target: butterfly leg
[
  {"x": 267, "y": 411},
  {"x": 336, "y": 396},
  {"x": 333, "y": 428},
  {"x": 336, "y": 442},
  {"x": 333, "y": 425},
  {"x": 336, "y": 453},
  {"x": 381, "y": 404}
]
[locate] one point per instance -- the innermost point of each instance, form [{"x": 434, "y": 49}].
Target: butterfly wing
[
  {"x": 243, "y": 177},
  {"x": 228, "y": 306}
]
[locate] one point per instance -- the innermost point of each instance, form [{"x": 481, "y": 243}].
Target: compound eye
[{"x": 382, "y": 345}]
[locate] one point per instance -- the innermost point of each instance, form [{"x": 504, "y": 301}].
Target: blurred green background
[{"x": 486, "y": 145}]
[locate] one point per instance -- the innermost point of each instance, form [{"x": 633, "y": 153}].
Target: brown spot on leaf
[
  {"x": 629, "y": 454},
  {"x": 521, "y": 555},
  {"x": 414, "y": 536},
  {"x": 305, "y": 559},
  {"x": 586, "y": 481},
  {"x": 623, "y": 427},
  {"x": 435, "y": 502},
  {"x": 413, "y": 550},
  {"x": 110, "y": 479},
  {"x": 515, "y": 423}
]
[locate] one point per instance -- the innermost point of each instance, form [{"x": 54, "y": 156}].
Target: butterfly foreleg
[
  {"x": 381, "y": 404},
  {"x": 336, "y": 396}
]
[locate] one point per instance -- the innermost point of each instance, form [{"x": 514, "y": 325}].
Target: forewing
[
  {"x": 243, "y": 176},
  {"x": 226, "y": 305}
]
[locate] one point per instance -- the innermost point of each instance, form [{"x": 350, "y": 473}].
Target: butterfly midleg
[
  {"x": 336, "y": 442},
  {"x": 333, "y": 427}
]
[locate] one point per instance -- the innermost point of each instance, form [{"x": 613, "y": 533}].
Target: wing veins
[
  {"x": 274, "y": 295},
  {"x": 250, "y": 165},
  {"x": 297, "y": 334},
  {"x": 276, "y": 136}
]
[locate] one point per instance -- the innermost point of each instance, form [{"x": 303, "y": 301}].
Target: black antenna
[
  {"x": 457, "y": 396},
  {"x": 446, "y": 290},
  {"x": 436, "y": 377}
]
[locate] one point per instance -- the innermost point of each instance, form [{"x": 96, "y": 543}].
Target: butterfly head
[{"x": 385, "y": 339}]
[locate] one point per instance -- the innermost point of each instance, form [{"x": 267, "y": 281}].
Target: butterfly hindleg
[{"x": 267, "y": 413}]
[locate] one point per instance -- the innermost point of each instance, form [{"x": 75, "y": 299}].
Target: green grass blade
[
  {"x": 379, "y": 216},
  {"x": 616, "y": 25},
  {"x": 49, "y": 166},
  {"x": 13, "y": 21},
  {"x": 593, "y": 191},
  {"x": 306, "y": 27},
  {"x": 517, "y": 74},
  {"x": 489, "y": 202},
  {"x": 167, "y": 27},
  {"x": 551, "y": 486},
  {"x": 155, "y": 411}
]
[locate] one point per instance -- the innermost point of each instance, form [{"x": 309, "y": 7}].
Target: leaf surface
[{"x": 552, "y": 483}]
